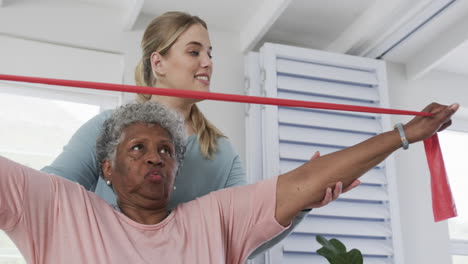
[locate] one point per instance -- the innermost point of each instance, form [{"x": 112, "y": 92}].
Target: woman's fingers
[
  {"x": 339, "y": 188},
  {"x": 327, "y": 199},
  {"x": 316, "y": 155},
  {"x": 353, "y": 185},
  {"x": 331, "y": 195},
  {"x": 449, "y": 113},
  {"x": 337, "y": 191},
  {"x": 445, "y": 125},
  {"x": 420, "y": 128}
]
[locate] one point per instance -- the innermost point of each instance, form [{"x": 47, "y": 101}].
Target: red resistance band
[{"x": 443, "y": 204}]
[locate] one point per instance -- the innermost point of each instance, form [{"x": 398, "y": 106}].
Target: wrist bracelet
[{"x": 404, "y": 141}]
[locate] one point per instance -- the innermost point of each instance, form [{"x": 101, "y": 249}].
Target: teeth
[{"x": 202, "y": 78}]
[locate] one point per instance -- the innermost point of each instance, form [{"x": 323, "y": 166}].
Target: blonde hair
[{"x": 159, "y": 37}]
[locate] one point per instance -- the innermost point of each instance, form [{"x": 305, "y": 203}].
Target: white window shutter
[{"x": 366, "y": 218}]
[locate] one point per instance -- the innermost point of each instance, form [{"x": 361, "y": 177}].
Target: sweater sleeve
[
  {"x": 77, "y": 162},
  {"x": 237, "y": 176}
]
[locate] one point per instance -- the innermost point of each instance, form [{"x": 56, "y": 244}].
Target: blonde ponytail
[
  {"x": 208, "y": 134},
  {"x": 141, "y": 80}
]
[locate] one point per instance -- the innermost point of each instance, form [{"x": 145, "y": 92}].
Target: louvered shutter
[{"x": 280, "y": 139}]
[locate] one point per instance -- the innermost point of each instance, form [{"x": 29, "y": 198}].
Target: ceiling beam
[
  {"x": 260, "y": 22},
  {"x": 377, "y": 23},
  {"x": 132, "y": 9},
  {"x": 435, "y": 51},
  {"x": 364, "y": 26}
]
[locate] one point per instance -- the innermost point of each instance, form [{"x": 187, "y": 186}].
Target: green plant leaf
[
  {"x": 340, "y": 259},
  {"x": 325, "y": 252},
  {"x": 354, "y": 256},
  {"x": 335, "y": 252},
  {"x": 339, "y": 247},
  {"x": 322, "y": 241},
  {"x": 332, "y": 245}
]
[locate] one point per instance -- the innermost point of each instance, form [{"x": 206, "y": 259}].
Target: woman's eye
[
  {"x": 194, "y": 53},
  {"x": 137, "y": 147},
  {"x": 166, "y": 151}
]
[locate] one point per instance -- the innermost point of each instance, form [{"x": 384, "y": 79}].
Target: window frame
[
  {"x": 104, "y": 99},
  {"x": 459, "y": 124}
]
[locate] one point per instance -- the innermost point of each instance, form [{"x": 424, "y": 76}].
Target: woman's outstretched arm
[{"x": 299, "y": 188}]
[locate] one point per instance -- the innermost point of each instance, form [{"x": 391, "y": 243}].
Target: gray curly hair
[{"x": 148, "y": 112}]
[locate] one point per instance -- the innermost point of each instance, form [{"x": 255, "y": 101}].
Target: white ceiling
[
  {"x": 359, "y": 27},
  {"x": 314, "y": 24},
  {"x": 222, "y": 15},
  {"x": 456, "y": 60}
]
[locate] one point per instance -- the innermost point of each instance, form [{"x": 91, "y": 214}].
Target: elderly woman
[{"x": 53, "y": 220}]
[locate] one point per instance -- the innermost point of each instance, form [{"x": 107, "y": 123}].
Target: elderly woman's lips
[{"x": 154, "y": 176}]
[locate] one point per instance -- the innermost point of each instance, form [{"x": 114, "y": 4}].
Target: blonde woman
[{"x": 176, "y": 54}]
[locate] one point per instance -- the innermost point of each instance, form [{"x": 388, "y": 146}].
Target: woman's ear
[
  {"x": 106, "y": 170},
  {"x": 157, "y": 64}
]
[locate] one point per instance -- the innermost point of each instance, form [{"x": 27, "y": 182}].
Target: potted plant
[{"x": 335, "y": 252}]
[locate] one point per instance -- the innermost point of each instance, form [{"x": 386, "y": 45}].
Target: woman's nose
[
  {"x": 207, "y": 61},
  {"x": 154, "y": 158}
]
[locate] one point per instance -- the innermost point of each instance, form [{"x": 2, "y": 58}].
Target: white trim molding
[
  {"x": 131, "y": 13},
  {"x": 261, "y": 22}
]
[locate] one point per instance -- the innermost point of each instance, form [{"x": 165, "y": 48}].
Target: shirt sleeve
[
  {"x": 277, "y": 239},
  {"x": 77, "y": 162},
  {"x": 249, "y": 217},
  {"x": 23, "y": 191},
  {"x": 11, "y": 194},
  {"x": 237, "y": 176}
]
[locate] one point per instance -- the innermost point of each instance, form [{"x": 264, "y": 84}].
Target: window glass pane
[
  {"x": 454, "y": 148},
  {"x": 33, "y": 132}
]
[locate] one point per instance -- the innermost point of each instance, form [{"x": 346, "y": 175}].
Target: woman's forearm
[{"x": 307, "y": 184}]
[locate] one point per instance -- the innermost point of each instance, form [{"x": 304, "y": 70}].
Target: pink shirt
[{"x": 53, "y": 220}]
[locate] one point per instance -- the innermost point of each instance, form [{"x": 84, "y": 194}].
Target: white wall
[
  {"x": 424, "y": 241},
  {"x": 41, "y": 59}
]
